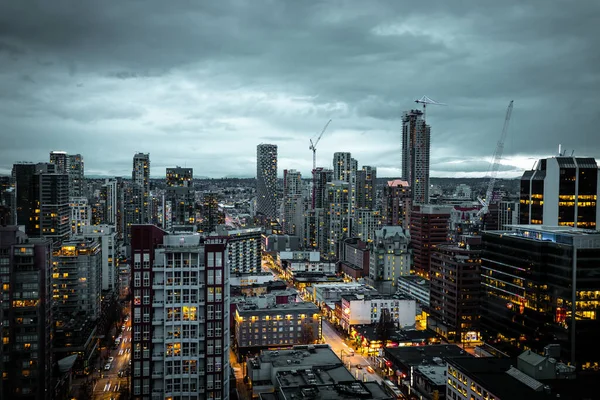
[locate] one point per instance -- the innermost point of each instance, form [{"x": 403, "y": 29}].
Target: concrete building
[
  {"x": 329, "y": 294},
  {"x": 337, "y": 216},
  {"x": 244, "y": 250},
  {"x": 76, "y": 175},
  {"x": 343, "y": 167},
  {"x": 508, "y": 214},
  {"x": 276, "y": 243},
  {"x": 561, "y": 191},
  {"x": 106, "y": 235},
  {"x": 321, "y": 176},
  {"x": 366, "y": 188},
  {"x": 456, "y": 291},
  {"x": 180, "y": 315},
  {"x": 540, "y": 286},
  {"x": 179, "y": 177},
  {"x": 397, "y": 203},
  {"x": 212, "y": 216},
  {"x": 266, "y": 180},
  {"x": 42, "y": 200},
  {"x": 281, "y": 325},
  {"x": 366, "y": 222},
  {"x": 390, "y": 258},
  {"x": 416, "y": 143},
  {"x": 428, "y": 229},
  {"x": 140, "y": 177},
  {"x": 415, "y": 287},
  {"x": 315, "y": 232},
  {"x": 361, "y": 309},
  {"x": 179, "y": 200},
  {"x": 81, "y": 214},
  {"x": 293, "y": 207},
  {"x": 26, "y": 330},
  {"x": 354, "y": 258}
]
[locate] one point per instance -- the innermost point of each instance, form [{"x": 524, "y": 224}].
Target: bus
[{"x": 393, "y": 389}]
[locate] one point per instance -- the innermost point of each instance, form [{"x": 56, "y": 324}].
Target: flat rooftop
[
  {"x": 343, "y": 391},
  {"x": 316, "y": 375},
  {"x": 295, "y": 307},
  {"x": 301, "y": 357},
  {"x": 425, "y": 355},
  {"x": 435, "y": 373}
]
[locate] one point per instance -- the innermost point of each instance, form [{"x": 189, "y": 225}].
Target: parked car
[
  {"x": 107, "y": 367},
  {"x": 111, "y": 359}
]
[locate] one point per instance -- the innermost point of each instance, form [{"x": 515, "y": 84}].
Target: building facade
[
  {"x": 244, "y": 250},
  {"x": 81, "y": 214},
  {"x": 397, "y": 202},
  {"x": 561, "y": 191},
  {"x": 416, "y": 143},
  {"x": 361, "y": 309},
  {"x": 180, "y": 310},
  {"x": 266, "y": 180},
  {"x": 390, "y": 258},
  {"x": 428, "y": 229}
]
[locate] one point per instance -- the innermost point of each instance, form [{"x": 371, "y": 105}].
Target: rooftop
[
  {"x": 415, "y": 279},
  {"x": 425, "y": 355},
  {"x": 400, "y": 336},
  {"x": 299, "y": 357},
  {"x": 435, "y": 373},
  {"x": 341, "y": 391},
  {"x": 252, "y": 309},
  {"x": 317, "y": 375}
]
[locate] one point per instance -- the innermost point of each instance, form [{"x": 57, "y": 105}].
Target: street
[{"x": 110, "y": 384}]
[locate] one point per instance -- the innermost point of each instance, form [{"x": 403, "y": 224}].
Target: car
[
  {"x": 107, "y": 367},
  {"x": 111, "y": 359},
  {"x": 123, "y": 328},
  {"x": 358, "y": 366}
]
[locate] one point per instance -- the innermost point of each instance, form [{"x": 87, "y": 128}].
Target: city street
[
  {"x": 333, "y": 339},
  {"x": 110, "y": 384}
]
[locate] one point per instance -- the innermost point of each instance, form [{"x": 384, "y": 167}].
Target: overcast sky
[{"x": 201, "y": 83}]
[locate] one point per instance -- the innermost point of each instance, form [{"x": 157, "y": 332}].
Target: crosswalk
[{"x": 108, "y": 386}]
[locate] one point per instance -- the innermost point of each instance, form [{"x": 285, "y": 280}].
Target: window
[
  {"x": 218, "y": 276},
  {"x": 146, "y": 278},
  {"x": 136, "y": 279},
  {"x": 211, "y": 294},
  {"x": 218, "y": 294},
  {"x": 210, "y": 279}
]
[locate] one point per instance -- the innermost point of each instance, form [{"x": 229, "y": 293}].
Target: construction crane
[
  {"x": 495, "y": 165},
  {"x": 313, "y": 146},
  {"x": 426, "y": 100}
]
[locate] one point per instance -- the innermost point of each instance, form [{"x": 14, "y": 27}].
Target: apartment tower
[
  {"x": 416, "y": 143},
  {"x": 266, "y": 180}
]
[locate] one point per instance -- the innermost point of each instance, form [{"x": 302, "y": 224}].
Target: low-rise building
[
  {"x": 361, "y": 309},
  {"x": 415, "y": 287},
  {"x": 276, "y": 325},
  {"x": 390, "y": 258}
]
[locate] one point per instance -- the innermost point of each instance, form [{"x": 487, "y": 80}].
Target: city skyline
[{"x": 202, "y": 94}]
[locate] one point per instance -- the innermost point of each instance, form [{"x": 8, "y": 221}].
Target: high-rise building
[
  {"x": 390, "y": 258},
  {"x": 428, "y": 229},
  {"x": 140, "y": 177},
  {"x": 342, "y": 166},
  {"x": 541, "y": 286},
  {"x": 508, "y": 214},
  {"x": 315, "y": 232},
  {"x": 455, "y": 290},
  {"x": 26, "y": 272},
  {"x": 42, "y": 200},
  {"x": 366, "y": 187},
  {"x": 561, "y": 191},
  {"x": 337, "y": 214},
  {"x": 244, "y": 254},
  {"x": 61, "y": 160},
  {"x": 266, "y": 180},
  {"x": 365, "y": 223},
  {"x": 179, "y": 202},
  {"x": 415, "y": 154},
  {"x": 293, "y": 202},
  {"x": 7, "y": 200},
  {"x": 106, "y": 235},
  {"x": 211, "y": 216},
  {"x": 73, "y": 166},
  {"x": 397, "y": 203},
  {"x": 81, "y": 214},
  {"x": 180, "y": 312},
  {"x": 110, "y": 194},
  {"x": 321, "y": 177}
]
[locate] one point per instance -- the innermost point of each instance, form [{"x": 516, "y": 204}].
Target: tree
[{"x": 307, "y": 335}]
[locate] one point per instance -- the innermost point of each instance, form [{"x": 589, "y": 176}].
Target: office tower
[
  {"x": 390, "y": 258},
  {"x": 293, "y": 202},
  {"x": 455, "y": 290},
  {"x": 508, "y": 214},
  {"x": 25, "y": 271},
  {"x": 7, "y": 200},
  {"x": 179, "y": 204},
  {"x": 428, "y": 229},
  {"x": 337, "y": 214},
  {"x": 42, "y": 200},
  {"x": 244, "y": 252},
  {"x": 73, "y": 166},
  {"x": 76, "y": 296},
  {"x": 211, "y": 216},
  {"x": 180, "y": 311},
  {"x": 415, "y": 154},
  {"x": 561, "y": 191},
  {"x": 180, "y": 177},
  {"x": 140, "y": 177},
  {"x": 319, "y": 191},
  {"x": 81, "y": 214},
  {"x": 266, "y": 180},
  {"x": 541, "y": 286},
  {"x": 397, "y": 203},
  {"x": 366, "y": 187},
  {"x": 106, "y": 235}
]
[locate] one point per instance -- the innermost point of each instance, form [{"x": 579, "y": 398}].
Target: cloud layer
[{"x": 202, "y": 83}]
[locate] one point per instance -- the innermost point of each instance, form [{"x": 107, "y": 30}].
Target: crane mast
[
  {"x": 313, "y": 146},
  {"x": 495, "y": 163}
]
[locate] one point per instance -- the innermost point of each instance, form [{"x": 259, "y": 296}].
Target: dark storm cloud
[{"x": 204, "y": 82}]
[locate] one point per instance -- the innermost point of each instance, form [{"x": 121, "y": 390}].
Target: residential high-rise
[
  {"x": 315, "y": 232},
  {"x": 266, "y": 180},
  {"x": 508, "y": 214},
  {"x": 244, "y": 254},
  {"x": 73, "y": 166},
  {"x": 397, "y": 203},
  {"x": 106, "y": 235},
  {"x": 179, "y": 198},
  {"x": 81, "y": 214},
  {"x": 292, "y": 202},
  {"x": 337, "y": 214},
  {"x": 365, "y": 223},
  {"x": 428, "y": 229},
  {"x": 7, "y": 200},
  {"x": 455, "y": 290},
  {"x": 342, "y": 166},
  {"x": 42, "y": 200},
  {"x": 416, "y": 154},
  {"x": 180, "y": 312},
  {"x": 140, "y": 177},
  {"x": 366, "y": 187},
  {"x": 61, "y": 160},
  {"x": 26, "y": 272},
  {"x": 541, "y": 286},
  {"x": 390, "y": 258},
  {"x": 211, "y": 216},
  {"x": 561, "y": 191},
  {"x": 319, "y": 191}
]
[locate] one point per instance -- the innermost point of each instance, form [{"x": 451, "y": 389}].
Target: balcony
[
  {"x": 158, "y": 339},
  {"x": 158, "y": 285},
  {"x": 158, "y": 321},
  {"x": 158, "y": 303},
  {"x": 201, "y": 337},
  {"x": 157, "y": 375},
  {"x": 158, "y": 356}
]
